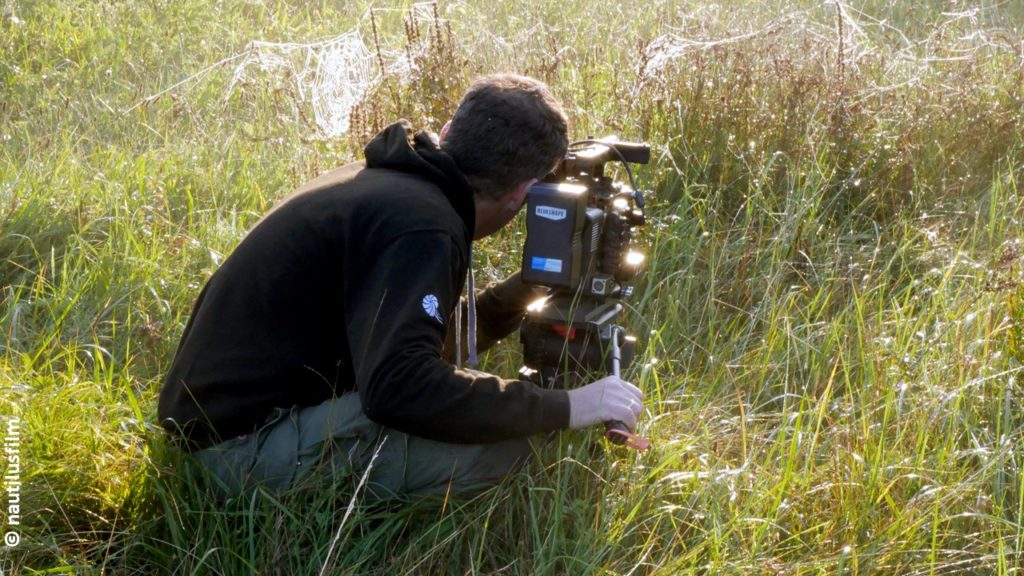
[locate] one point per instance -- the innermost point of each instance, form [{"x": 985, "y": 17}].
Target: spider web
[{"x": 329, "y": 77}]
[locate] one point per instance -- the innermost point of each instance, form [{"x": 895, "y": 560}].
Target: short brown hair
[{"x": 506, "y": 130}]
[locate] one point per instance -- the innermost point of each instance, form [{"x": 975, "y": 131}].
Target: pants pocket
[
  {"x": 277, "y": 455},
  {"x": 334, "y": 437},
  {"x": 265, "y": 458},
  {"x": 228, "y": 463}
]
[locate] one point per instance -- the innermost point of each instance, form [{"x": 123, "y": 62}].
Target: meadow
[{"x": 831, "y": 314}]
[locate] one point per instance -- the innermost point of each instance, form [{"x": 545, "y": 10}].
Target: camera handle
[{"x": 615, "y": 431}]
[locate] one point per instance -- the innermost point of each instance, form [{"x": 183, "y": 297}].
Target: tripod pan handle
[{"x": 617, "y": 433}]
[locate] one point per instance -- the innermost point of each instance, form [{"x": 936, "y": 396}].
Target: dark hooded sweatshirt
[{"x": 349, "y": 284}]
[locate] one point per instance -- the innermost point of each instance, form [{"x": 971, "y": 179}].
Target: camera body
[{"x": 580, "y": 227}]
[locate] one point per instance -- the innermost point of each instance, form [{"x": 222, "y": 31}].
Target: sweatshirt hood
[{"x": 397, "y": 147}]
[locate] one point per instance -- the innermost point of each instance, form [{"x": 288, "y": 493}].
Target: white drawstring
[
  {"x": 471, "y": 321},
  {"x": 471, "y": 298},
  {"x": 458, "y": 334}
]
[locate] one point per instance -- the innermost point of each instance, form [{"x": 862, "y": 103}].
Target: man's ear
[{"x": 518, "y": 196}]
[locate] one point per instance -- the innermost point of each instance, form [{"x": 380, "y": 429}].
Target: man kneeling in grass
[{"x": 326, "y": 337}]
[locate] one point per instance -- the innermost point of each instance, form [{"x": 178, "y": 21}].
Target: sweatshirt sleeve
[{"x": 397, "y": 321}]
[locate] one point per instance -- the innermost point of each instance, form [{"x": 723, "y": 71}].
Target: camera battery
[{"x": 555, "y": 221}]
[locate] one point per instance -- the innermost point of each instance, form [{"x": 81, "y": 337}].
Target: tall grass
[{"x": 830, "y": 313}]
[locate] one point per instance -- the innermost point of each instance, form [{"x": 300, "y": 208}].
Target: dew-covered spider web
[{"x": 328, "y": 78}]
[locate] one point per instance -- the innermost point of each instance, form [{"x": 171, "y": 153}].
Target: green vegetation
[{"x": 832, "y": 310}]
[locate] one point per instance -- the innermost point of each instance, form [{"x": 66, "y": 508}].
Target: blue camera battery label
[{"x": 546, "y": 264}]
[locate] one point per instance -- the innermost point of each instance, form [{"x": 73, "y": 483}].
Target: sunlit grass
[{"x": 829, "y": 313}]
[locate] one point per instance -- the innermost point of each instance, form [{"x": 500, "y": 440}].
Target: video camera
[{"x": 580, "y": 226}]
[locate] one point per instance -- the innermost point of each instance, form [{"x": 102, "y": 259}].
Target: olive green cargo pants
[{"x": 334, "y": 442}]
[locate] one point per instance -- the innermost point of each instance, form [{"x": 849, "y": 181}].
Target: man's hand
[{"x": 610, "y": 398}]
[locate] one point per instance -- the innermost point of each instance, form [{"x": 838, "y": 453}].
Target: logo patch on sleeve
[{"x": 430, "y": 306}]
